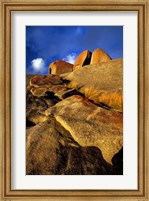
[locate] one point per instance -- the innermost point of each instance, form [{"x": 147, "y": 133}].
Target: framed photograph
[{"x": 74, "y": 80}]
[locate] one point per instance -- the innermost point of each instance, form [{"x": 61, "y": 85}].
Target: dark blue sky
[{"x": 45, "y": 44}]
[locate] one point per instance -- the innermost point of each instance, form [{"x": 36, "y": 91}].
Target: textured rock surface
[
  {"x": 50, "y": 87},
  {"x": 45, "y": 80},
  {"x": 50, "y": 149},
  {"x": 79, "y": 134},
  {"x": 90, "y": 125},
  {"x": 35, "y": 109},
  {"x": 28, "y": 78},
  {"x": 101, "y": 83},
  {"x": 83, "y": 59},
  {"x": 99, "y": 55},
  {"x": 37, "y": 104},
  {"x": 43, "y": 92},
  {"x": 57, "y": 91},
  {"x": 58, "y": 67}
]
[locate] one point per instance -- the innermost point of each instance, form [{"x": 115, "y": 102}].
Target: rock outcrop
[
  {"x": 83, "y": 59},
  {"x": 74, "y": 120},
  {"x": 98, "y": 56},
  {"x": 90, "y": 125},
  {"x": 57, "y": 91},
  {"x": 50, "y": 150},
  {"x": 58, "y": 67},
  {"x": 45, "y": 80},
  {"x": 35, "y": 109},
  {"x": 50, "y": 86},
  {"x": 102, "y": 83}
]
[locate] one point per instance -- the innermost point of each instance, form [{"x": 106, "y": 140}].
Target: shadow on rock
[{"x": 51, "y": 150}]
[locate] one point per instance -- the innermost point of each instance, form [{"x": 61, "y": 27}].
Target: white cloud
[
  {"x": 38, "y": 65},
  {"x": 70, "y": 58}
]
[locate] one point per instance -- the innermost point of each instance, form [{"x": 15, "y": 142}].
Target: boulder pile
[
  {"x": 74, "y": 117},
  {"x": 85, "y": 58}
]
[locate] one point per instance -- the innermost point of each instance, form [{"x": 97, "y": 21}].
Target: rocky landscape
[{"x": 74, "y": 117}]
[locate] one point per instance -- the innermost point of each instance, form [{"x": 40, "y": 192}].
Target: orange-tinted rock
[
  {"x": 45, "y": 80},
  {"x": 51, "y": 150},
  {"x": 101, "y": 82},
  {"x": 58, "y": 91},
  {"x": 99, "y": 56},
  {"x": 49, "y": 85},
  {"x": 35, "y": 108},
  {"x": 83, "y": 59},
  {"x": 90, "y": 125},
  {"x": 59, "y": 67}
]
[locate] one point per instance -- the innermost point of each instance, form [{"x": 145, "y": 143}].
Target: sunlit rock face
[
  {"x": 90, "y": 125},
  {"x": 86, "y": 57},
  {"x": 58, "y": 67},
  {"x": 102, "y": 83},
  {"x": 74, "y": 117},
  {"x": 83, "y": 59},
  {"x": 98, "y": 56},
  {"x": 45, "y": 80},
  {"x": 51, "y": 150}
]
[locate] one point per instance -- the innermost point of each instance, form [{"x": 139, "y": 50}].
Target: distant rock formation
[
  {"x": 59, "y": 67},
  {"x": 99, "y": 55},
  {"x": 83, "y": 59}
]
